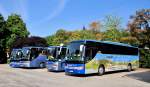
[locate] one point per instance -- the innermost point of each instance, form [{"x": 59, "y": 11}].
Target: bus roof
[
  {"x": 33, "y": 47},
  {"x": 15, "y": 49},
  {"x": 56, "y": 46},
  {"x": 106, "y": 42}
]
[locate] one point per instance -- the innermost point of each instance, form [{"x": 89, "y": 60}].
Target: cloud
[
  {"x": 56, "y": 12},
  {"x": 20, "y": 7}
]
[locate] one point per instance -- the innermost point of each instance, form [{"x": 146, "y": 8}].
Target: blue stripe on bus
[{"x": 116, "y": 58}]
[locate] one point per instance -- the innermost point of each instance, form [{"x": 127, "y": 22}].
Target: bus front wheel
[
  {"x": 129, "y": 67},
  {"x": 101, "y": 70},
  {"x": 42, "y": 65}
]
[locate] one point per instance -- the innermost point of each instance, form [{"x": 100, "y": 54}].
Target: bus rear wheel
[
  {"x": 42, "y": 65},
  {"x": 129, "y": 67},
  {"x": 101, "y": 70}
]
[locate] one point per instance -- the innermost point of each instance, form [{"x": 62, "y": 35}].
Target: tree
[
  {"x": 112, "y": 29},
  {"x": 50, "y": 40},
  {"x": 61, "y": 36},
  {"x": 139, "y": 27},
  {"x": 112, "y": 22},
  {"x": 81, "y": 34},
  {"x": 17, "y": 27},
  {"x": 2, "y": 31},
  {"x": 112, "y": 35},
  {"x": 3, "y": 34},
  {"x": 95, "y": 26},
  {"x": 30, "y": 41}
]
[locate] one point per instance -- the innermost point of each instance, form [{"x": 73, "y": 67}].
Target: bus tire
[
  {"x": 42, "y": 65},
  {"x": 101, "y": 70},
  {"x": 129, "y": 67}
]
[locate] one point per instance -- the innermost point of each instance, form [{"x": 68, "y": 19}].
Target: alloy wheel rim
[{"x": 101, "y": 70}]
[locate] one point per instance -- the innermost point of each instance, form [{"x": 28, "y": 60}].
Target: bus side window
[{"x": 90, "y": 53}]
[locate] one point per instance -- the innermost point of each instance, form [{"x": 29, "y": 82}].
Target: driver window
[{"x": 90, "y": 53}]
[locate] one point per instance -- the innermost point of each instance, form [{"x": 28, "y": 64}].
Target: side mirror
[
  {"x": 27, "y": 52},
  {"x": 59, "y": 50},
  {"x": 81, "y": 48}
]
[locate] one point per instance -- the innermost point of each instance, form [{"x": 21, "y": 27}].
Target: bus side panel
[
  {"x": 91, "y": 66},
  {"x": 111, "y": 62},
  {"x": 36, "y": 62}
]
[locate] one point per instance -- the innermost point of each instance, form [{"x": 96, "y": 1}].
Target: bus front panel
[{"x": 75, "y": 68}]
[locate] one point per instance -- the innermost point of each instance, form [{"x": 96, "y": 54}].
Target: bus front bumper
[
  {"x": 75, "y": 69},
  {"x": 19, "y": 64},
  {"x": 54, "y": 66}
]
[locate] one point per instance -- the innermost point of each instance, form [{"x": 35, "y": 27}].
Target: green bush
[{"x": 144, "y": 58}]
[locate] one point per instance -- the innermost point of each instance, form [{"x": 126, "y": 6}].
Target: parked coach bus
[
  {"x": 56, "y": 58},
  {"x": 31, "y": 57},
  {"x": 15, "y": 57},
  {"x": 90, "y": 56}
]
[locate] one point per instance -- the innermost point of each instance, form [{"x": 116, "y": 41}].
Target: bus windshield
[
  {"x": 56, "y": 53},
  {"x": 62, "y": 53},
  {"x": 31, "y": 53},
  {"x": 26, "y": 54},
  {"x": 73, "y": 52},
  {"x": 16, "y": 54},
  {"x": 52, "y": 51}
]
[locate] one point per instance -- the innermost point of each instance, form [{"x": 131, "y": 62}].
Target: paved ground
[{"x": 15, "y": 77}]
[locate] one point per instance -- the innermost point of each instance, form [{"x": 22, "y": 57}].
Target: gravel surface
[{"x": 16, "y": 77}]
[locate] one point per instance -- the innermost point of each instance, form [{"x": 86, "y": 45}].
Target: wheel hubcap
[
  {"x": 101, "y": 70},
  {"x": 41, "y": 65},
  {"x": 129, "y": 67}
]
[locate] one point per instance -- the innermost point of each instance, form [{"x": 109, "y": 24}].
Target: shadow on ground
[
  {"x": 95, "y": 74},
  {"x": 142, "y": 76}
]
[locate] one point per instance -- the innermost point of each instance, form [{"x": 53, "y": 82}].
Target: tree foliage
[
  {"x": 17, "y": 27},
  {"x": 95, "y": 26},
  {"x": 11, "y": 30},
  {"x": 30, "y": 41},
  {"x": 139, "y": 28},
  {"x": 113, "y": 32},
  {"x": 4, "y": 33},
  {"x": 112, "y": 22}
]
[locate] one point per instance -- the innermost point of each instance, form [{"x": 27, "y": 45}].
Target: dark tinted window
[
  {"x": 91, "y": 49},
  {"x": 116, "y": 49},
  {"x": 63, "y": 52},
  {"x": 110, "y": 49},
  {"x": 52, "y": 52}
]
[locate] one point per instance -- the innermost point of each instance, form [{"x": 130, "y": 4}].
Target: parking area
[{"x": 16, "y": 77}]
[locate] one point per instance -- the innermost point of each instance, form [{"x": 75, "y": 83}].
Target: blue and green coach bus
[
  {"x": 91, "y": 56},
  {"x": 29, "y": 57},
  {"x": 56, "y": 58}
]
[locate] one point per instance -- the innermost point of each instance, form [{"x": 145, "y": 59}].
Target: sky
[{"x": 45, "y": 17}]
